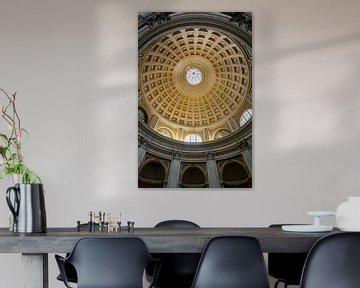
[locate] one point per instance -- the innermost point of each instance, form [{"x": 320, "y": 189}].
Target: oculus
[{"x": 193, "y": 75}]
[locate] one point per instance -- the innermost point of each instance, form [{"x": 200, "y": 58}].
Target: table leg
[{"x": 35, "y": 270}]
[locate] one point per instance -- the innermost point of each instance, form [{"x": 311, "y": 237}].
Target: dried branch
[{"x": 11, "y": 156}]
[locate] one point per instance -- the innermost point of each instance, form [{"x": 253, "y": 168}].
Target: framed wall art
[{"x": 195, "y": 100}]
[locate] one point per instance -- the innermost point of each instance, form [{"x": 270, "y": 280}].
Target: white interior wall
[{"x": 74, "y": 66}]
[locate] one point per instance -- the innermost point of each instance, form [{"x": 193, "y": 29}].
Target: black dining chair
[
  {"x": 285, "y": 267},
  {"x": 333, "y": 262},
  {"x": 178, "y": 269},
  {"x": 108, "y": 263},
  {"x": 232, "y": 262},
  {"x": 70, "y": 271}
]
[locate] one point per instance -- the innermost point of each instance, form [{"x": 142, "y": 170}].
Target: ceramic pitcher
[
  {"x": 27, "y": 204},
  {"x": 348, "y": 214}
]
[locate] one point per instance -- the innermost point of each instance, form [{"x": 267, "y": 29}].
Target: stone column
[
  {"x": 141, "y": 152},
  {"x": 248, "y": 159},
  {"x": 213, "y": 175},
  {"x": 174, "y": 171},
  {"x": 246, "y": 153}
]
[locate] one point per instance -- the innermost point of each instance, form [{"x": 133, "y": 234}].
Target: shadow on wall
[
  {"x": 306, "y": 119},
  {"x": 307, "y": 48}
]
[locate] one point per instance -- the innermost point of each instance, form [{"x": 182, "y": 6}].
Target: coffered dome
[
  {"x": 195, "y": 100},
  {"x": 194, "y": 80}
]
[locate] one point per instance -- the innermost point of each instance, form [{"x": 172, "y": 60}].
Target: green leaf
[
  {"x": 26, "y": 132},
  {"x": 4, "y": 137},
  {"x": 33, "y": 177},
  {"x": 27, "y": 175},
  {"x": 3, "y": 151},
  {"x": 3, "y": 173}
]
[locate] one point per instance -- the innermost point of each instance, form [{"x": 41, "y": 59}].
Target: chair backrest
[
  {"x": 178, "y": 269},
  {"x": 232, "y": 262},
  {"x": 110, "y": 262},
  {"x": 333, "y": 262},
  {"x": 176, "y": 224}
]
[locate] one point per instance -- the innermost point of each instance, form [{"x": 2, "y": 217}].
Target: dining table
[{"x": 35, "y": 247}]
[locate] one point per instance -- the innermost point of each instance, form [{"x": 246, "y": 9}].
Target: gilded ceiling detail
[
  {"x": 195, "y": 100},
  {"x": 193, "y": 79}
]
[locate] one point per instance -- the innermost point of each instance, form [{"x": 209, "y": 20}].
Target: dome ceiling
[{"x": 193, "y": 78}]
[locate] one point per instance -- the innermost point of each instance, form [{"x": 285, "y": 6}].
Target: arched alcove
[
  {"x": 234, "y": 175},
  {"x": 152, "y": 175},
  {"x": 193, "y": 177}
]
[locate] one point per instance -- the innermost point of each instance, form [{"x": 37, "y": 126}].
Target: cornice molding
[{"x": 226, "y": 147}]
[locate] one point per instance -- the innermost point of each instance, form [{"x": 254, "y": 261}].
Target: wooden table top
[{"x": 158, "y": 240}]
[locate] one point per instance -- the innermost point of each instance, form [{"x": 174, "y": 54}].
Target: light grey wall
[{"x": 74, "y": 66}]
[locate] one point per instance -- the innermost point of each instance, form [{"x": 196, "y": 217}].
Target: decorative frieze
[
  {"x": 243, "y": 20},
  {"x": 153, "y": 19}
]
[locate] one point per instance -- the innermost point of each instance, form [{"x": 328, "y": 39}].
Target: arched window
[
  {"x": 193, "y": 138},
  {"x": 166, "y": 132},
  {"x": 245, "y": 117},
  {"x": 221, "y": 133}
]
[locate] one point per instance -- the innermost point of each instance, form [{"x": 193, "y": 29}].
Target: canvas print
[{"x": 195, "y": 100}]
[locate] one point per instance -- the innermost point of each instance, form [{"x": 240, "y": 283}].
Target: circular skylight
[{"x": 193, "y": 76}]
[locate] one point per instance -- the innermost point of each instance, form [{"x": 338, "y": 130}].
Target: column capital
[
  {"x": 144, "y": 143},
  {"x": 177, "y": 155},
  {"x": 244, "y": 145},
  {"x": 210, "y": 155}
]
